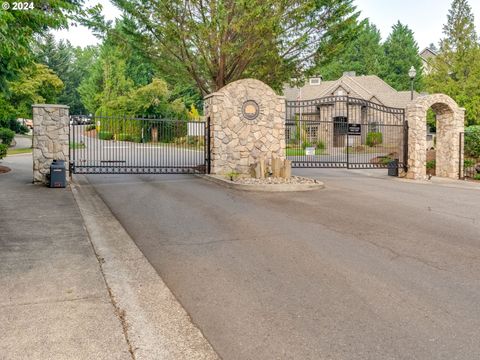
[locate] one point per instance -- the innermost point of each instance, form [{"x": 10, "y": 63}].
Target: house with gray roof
[
  {"x": 323, "y": 109},
  {"x": 365, "y": 87}
]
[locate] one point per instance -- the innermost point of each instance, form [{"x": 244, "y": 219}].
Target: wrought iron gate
[
  {"x": 469, "y": 159},
  {"x": 130, "y": 145},
  {"x": 345, "y": 132}
]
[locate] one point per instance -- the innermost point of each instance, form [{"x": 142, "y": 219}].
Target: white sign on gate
[{"x": 196, "y": 129}]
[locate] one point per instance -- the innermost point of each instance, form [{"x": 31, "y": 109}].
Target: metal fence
[
  {"x": 345, "y": 132},
  {"x": 469, "y": 157},
  {"x": 132, "y": 145}
]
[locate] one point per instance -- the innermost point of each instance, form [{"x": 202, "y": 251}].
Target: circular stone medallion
[{"x": 250, "y": 110}]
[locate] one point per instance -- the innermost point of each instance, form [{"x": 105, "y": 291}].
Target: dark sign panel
[{"x": 354, "y": 129}]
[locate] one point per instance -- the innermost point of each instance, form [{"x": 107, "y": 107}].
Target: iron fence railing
[
  {"x": 125, "y": 145},
  {"x": 469, "y": 164}
]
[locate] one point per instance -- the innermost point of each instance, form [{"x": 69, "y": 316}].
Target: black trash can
[
  {"x": 58, "y": 178},
  {"x": 393, "y": 168}
]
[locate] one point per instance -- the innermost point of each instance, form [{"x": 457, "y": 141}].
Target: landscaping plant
[
  {"x": 3, "y": 151},
  {"x": 374, "y": 138},
  {"x": 6, "y": 136}
]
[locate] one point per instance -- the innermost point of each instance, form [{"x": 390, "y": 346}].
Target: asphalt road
[{"x": 369, "y": 268}]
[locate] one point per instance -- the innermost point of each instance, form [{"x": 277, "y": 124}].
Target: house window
[
  {"x": 312, "y": 132},
  {"x": 373, "y": 127}
]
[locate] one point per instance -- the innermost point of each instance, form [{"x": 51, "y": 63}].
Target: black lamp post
[{"x": 412, "y": 73}]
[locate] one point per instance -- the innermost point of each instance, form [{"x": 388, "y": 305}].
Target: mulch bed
[{"x": 4, "y": 169}]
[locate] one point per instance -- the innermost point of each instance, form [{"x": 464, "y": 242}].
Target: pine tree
[
  {"x": 456, "y": 69},
  {"x": 363, "y": 54},
  {"x": 401, "y": 53}
]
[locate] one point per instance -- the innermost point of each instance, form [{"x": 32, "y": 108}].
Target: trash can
[
  {"x": 58, "y": 177},
  {"x": 393, "y": 168}
]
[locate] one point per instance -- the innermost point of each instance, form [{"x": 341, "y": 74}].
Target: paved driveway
[{"x": 369, "y": 268}]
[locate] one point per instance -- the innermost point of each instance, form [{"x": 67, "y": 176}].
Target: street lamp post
[{"x": 412, "y": 73}]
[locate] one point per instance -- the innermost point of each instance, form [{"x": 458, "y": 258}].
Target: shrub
[
  {"x": 306, "y": 144},
  {"x": 105, "y": 135},
  {"x": 431, "y": 164},
  {"x": 320, "y": 145},
  {"x": 90, "y": 127},
  {"x": 14, "y": 125},
  {"x": 3, "y": 150},
  {"x": 472, "y": 141},
  {"x": 385, "y": 160},
  {"x": 374, "y": 138},
  {"x": 468, "y": 163},
  {"x": 6, "y": 136}
]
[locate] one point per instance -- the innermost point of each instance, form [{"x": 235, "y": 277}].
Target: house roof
[
  {"x": 369, "y": 87},
  {"x": 427, "y": 53}
]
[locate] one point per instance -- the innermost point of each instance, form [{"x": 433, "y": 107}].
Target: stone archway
[{"x": 450, "y": 123}]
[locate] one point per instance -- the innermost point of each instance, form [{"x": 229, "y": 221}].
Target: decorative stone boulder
[{"x": 247, "y": 123}]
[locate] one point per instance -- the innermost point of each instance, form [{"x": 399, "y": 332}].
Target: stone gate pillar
[
  {"x": 50, "y": 138},
  {"x": 450, "y": 123},
  {"x": 247, "y": 122}
]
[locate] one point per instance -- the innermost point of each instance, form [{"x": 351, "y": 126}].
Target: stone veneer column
[
  {"x": 50, "y": 138},
  {"x": 450, "y": 123},
  {"x": 238, "y": 142}
]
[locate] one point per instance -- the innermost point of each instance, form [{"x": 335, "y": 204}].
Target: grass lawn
[
  {"x": 301, "y": 152},
  {"x": 19, "y": 151},
  {"x": 75, "y": 145}
]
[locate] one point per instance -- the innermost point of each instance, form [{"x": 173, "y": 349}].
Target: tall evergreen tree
[
  {"x": 363, "y": 54},
  {"x": 401, "y": 53},
  {"x": 456, "y": 69}
]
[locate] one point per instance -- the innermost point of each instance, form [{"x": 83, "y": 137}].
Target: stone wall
[
  {"x": 50, "y": 139},
  {"x": 247, "y": 122},
  {"x": 450, "y": 123}
]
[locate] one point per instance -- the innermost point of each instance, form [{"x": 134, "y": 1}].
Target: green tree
[
  {"x": 456, "y": 69},
  {"x": 364, "y": 55},
  {"x": 400, "y": 54},
  {"x": 217, "y": 42},
  {"x": 151, "y": 99},
  {"x": 69, "y": 65},
  {"x": 36, "y": 84},
  {"x": 18, "y": 30}
]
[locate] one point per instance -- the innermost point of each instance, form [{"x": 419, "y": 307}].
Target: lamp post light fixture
[{"x": 412, "y": 73}]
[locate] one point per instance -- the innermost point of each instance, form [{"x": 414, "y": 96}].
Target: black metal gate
[
  {"x": 345, "y": 132},
  {"x": 130, "y": 145},
  {"x": 469, "y": 157}
]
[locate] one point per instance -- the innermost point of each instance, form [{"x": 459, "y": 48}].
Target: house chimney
[
  {"x": 315, "y": 80},
  {"x": 350, "y": 73}
]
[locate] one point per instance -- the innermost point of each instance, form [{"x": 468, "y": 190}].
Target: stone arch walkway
[{"x": 450, "y": 123}]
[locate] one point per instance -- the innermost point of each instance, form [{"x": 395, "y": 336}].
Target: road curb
[
  {"x": 156, "y": 325},
  {"x": 264, "y": 187}
]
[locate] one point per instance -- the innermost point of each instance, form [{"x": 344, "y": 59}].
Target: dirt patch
[
  {"x": 91, "y": 133},
  {"x": 384, "y": 160},
  {"x": 4, "y": 169}
]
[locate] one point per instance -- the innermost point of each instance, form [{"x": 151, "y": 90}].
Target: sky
[{"x": 424, "y": 17}]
